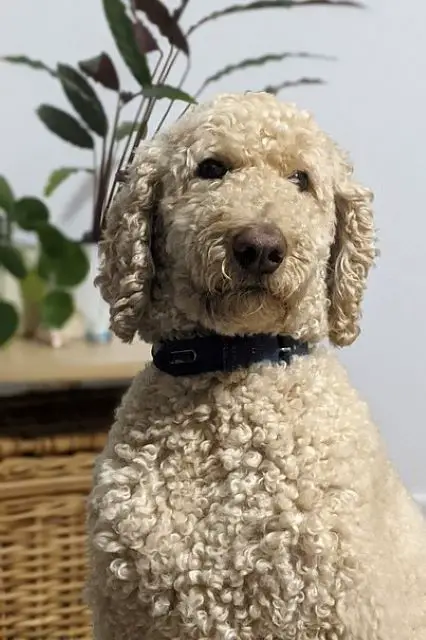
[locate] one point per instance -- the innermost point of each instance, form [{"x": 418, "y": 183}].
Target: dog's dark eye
[
  {"x": 301, "y": 179},
  {"x": 211, "y": 169}
]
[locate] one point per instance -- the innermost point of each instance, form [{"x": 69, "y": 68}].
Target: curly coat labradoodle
[{"x": 246, "y": 494}]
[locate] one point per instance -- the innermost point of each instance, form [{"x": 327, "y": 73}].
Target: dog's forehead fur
[
  {"x": 253, "y": 113},
  {"x": 251, "y": 129}
]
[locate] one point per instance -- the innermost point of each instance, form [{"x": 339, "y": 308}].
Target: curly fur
[{"x": 259, "y": 504}]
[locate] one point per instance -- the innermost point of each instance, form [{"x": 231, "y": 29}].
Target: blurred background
[{"x": 362, "y": 79}]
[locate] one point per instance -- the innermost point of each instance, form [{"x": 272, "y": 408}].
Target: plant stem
[
  {"x": 152, "y": 101},
  {"x": 96, "y": 176},
  {"x": 105, "y": 175},
  {"x": 140, "y": 131},
  {"x": 177, "y": 14},
  {"x": 147, "y": 107},
  {"x": 8, "y": 231},
  {"x": 138, "y": 114},
  {"x": 122, "y": 159},
  {"x": 5, "y": 230},
  {"x": 171, "y": 102}
]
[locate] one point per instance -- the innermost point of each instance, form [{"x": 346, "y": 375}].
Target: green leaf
[
  {"x": 44, "y": 267},
  {"x": 68, "y": 270},
  {"x": 101, "y": 69},
  {"x": 30, "y": 213},
  {"x": 29, "y": 62},
  {"x": 58, "y": 176},
  {"x": 122, "y": 30},
  {"x": 158, "y": 14},
  {"x": 65, "y": 126},
  {"x": 83, "y": 98},
  {"x": 274, "y": 89},
  {"x": 12, "y": 261},
  {"x": 9, "y": 321},
  {"x": 271, "y": 4},
  {"x": 166, "y": 91},
  {"x": 257, "y": 62},
  {"x": 62, "y": 261},
  {"x": 33, "y": 287},
  {"x": 125, "y": 129},
  {"x": 53, "y": 242},
  {"x": 72, "y": 267},
  {"x": 6, "y": 196},
  {"x": 56, "y": 308}
]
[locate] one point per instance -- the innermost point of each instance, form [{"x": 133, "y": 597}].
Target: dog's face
[{"x": 242, "y": 218}]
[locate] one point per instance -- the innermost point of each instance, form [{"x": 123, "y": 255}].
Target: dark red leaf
[
  {"x": 102, "y": 70},
  {"x": 180, "y": 9},
  {"x": 159, "y": 15},
  {"x": 144, "y": 39}
]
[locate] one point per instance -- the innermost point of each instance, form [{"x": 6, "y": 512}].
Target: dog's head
[{"x": 242, "y": 218}]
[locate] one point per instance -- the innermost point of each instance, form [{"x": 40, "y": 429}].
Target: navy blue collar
[{"x": 212, "y": 353}]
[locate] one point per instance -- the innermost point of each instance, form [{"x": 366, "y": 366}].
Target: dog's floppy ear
[
  {"x": 352, "y": 255},
  {"x": 126, "y": 265}
]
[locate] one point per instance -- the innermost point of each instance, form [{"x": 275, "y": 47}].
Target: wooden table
[{"x": 31, "y": 363}]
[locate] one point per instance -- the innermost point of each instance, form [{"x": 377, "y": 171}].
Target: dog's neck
[
  {"x": 209, "y": 353},
  {"x": 171, "y": 316}
]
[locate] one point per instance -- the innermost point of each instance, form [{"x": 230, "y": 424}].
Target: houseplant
[
  {"x": 45, "y": 278},
  {"x": 112, "y": 141}
]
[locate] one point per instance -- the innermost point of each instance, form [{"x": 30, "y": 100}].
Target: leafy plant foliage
[
  {"x": 131, "y": 23},
  {"x": 61, "y": 263}
]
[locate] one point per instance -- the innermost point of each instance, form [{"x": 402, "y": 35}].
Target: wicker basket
[{"x": 47, "y": 447}]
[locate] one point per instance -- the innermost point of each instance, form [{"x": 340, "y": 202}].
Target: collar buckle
[
  {"x": 183, "y": 356},
  {"x": 284, "y": 352}
]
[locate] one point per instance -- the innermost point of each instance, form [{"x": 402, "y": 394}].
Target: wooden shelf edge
[{"x": 26, "y": 362}]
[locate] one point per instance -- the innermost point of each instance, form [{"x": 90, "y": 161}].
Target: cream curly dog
[{"x": 254, "y": 502}]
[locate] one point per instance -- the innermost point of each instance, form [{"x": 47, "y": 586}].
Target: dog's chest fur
[{"x": 226, "y": 502}]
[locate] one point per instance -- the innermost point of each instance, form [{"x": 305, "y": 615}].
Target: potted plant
[
  {"x": 44, "y": 277},
  {"x": 111, "y": 141}
]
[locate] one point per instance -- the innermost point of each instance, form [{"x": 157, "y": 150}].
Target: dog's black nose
[{"x": 259, "y": 249}]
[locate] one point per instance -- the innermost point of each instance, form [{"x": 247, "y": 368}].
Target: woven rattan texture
[{"x": 48, "y": 443}]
